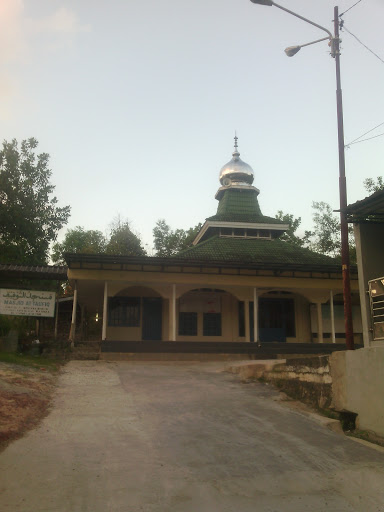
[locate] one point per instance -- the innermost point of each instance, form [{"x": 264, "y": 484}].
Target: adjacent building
[{"x": 367, "y": 216}]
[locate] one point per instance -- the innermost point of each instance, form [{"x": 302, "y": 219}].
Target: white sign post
[{"x": 27, "y": 303}]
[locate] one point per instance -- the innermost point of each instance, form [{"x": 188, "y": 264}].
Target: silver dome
[{"x": 236, "y": 172}]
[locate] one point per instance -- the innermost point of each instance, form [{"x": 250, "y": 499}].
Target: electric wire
[
  {"x": 364, "y": 140},
  {"x": 365, "y": 46},
  {"x": 364, "y": 134},
  {"x": 352, "y": 6},
  {"x": 343, "y": 27}
]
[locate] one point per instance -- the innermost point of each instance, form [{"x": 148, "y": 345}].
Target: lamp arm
[
  {"x": 314, "y": 42},
  {"x": 304, "y": 19}
]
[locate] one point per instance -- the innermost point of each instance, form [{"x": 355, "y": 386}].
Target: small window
[
  {"x": 124, "y": 311},
  {"x": 252, "y": 233},
  {"x": 239, "y": 232},
  {"x": 187, "y": 324},
  {"x": 212, "y": 324},
  {"x": 225, "y": 231},
  {"x": 264, "y": 233}
]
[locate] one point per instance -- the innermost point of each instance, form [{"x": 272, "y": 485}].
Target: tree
[
  {"x": 326, "y": 233},
  {"x": 168, "y": 242},
  {"x": 29, "y": 215},
  {"x": 162, "y": 238},
  {"x": 190, "y": 235},
  {"x": 79, "y": 240},
  {"x": 122, "y": 240},
  {"x": 294, "y": 224},
  {"x": 372, "y": 186},
  {"x": 326, "y": 238}
]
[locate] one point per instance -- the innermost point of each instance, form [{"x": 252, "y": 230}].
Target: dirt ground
[{"x": 25, "y": 395}]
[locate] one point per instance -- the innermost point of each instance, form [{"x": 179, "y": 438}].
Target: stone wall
[
  {"x": 304, "y": 378},
  {"x": 307, "y": 379}
]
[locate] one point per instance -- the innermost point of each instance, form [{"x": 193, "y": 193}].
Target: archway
[
  {"x": 283, "y": 316},
  {"x": 333, "y": 319},
  {"x": 277, "y": 319}
]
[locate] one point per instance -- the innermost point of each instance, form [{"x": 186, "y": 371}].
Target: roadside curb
[
  {"x": 332, "y": 424},
  {"x": 376, "y": 447}
]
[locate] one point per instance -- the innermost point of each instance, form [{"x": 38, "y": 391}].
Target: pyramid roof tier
[
  {"x": 241, "y": 205},
  {"x": 266, "y": 253}
]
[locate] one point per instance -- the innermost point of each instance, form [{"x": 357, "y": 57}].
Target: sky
[{"x": 137, "y": 103}]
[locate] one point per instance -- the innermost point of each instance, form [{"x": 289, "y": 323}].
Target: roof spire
[{"x": 236, "y": 151}]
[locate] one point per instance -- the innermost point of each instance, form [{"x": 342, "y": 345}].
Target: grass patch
[
  {"x": 371, "y": 437},
  {"x": 30, "y": 361},
  {"x": 328, "y": 413}
]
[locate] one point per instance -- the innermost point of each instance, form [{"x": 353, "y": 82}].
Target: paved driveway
[{"x": 178, "y": 437}]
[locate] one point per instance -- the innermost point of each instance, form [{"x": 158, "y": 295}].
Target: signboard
[{"x": 27, "y": 303}]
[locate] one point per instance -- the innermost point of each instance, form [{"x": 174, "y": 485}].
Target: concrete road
[{"x": 178, "y": 437}]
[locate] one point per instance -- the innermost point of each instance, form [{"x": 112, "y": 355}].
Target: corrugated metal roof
[
  {"x": 58, "y": 273},
  {"x": 370, "y": 208}
]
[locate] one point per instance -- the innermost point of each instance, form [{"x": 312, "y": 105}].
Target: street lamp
[
  {"x": 334, "y": 42},
  {"x": 292, "y": 50}
]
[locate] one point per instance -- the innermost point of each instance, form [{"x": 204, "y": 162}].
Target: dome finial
[{"x": 236, "y": 152}]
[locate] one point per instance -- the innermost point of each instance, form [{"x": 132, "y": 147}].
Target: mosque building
[{"x": 238, "y": 282}]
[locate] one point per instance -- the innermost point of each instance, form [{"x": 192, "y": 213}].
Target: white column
[
  {"x": 255, "y": 316},
  {"x": 362, "y": 268},
  {"x": 319, "y": 323},
  {"x": 333, "y": 335},
  {"x": 105, "y": 312},
  {"x": 73, "y": 321},
  {"x": 247, "y": 326},
  {"x": 57, "y": 316},
  {"x": 172, "y": 315}
]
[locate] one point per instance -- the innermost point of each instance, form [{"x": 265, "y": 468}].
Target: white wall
[{"x": 358, "y": 386}]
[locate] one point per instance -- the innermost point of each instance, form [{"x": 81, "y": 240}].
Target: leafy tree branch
[{"x": 30, "y": 217}]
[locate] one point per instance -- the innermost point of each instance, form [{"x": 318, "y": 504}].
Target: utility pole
[{"x": 343, "y": 192}]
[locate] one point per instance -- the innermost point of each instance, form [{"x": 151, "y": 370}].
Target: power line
[
  {"x": 365, "y": 46},
  {"x": 364, "y": 134},
  {"x": 364, "y": 140},
  {"x": 349, "y": 8}
]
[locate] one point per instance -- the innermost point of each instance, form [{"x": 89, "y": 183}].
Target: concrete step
[
  {"x": 174, "y": 356},
  {"x": 265, "y": 351},
  {"x": 85, "y": 351}
]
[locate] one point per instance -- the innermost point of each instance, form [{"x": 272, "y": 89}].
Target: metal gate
[{"x": 376, "y": 294}]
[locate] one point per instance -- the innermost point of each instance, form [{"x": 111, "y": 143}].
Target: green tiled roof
[
  {"x": 238, "y": 205},
  {"x": 254, "y": 219},
  {"x": 255, "y": 251}
]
